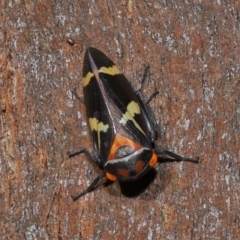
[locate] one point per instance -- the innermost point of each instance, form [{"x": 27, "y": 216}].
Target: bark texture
[{"x": 193, "y": 50}]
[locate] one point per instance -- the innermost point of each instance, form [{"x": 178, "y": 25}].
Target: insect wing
[{"x": 112, "y": 105}]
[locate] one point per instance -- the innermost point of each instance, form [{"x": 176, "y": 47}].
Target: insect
[
  {"x": 71, "y": 41},
  {"x": 122, "y": 130}
]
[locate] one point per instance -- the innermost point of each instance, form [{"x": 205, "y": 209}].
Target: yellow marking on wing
[
  {"x": 102, "y": 127},
  {"x": 132, "y": 109},
  {"x": 95, "y": 125},
  {"x": 110, "y": 70},
  {"x": 87, "y": 79}
]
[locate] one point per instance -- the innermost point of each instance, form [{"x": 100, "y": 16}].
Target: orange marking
[
  {"x": 123, "y": 172},
  {"x": 153, "y": 160},
  {"x": 121, "y": 141},
  {"x": 111, "y": 177},
  {"x": 139, "y": 166}
]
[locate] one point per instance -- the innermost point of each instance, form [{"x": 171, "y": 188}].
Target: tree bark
[{"x": 193, "y": 50}]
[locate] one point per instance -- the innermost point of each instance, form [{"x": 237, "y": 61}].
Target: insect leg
[
  {"x": 94, "y": 158},
  {"x": 176, "y": 156},
  {"x": 144, "y": 76},
  {"x": 74, "y": 92},
  {"x": 153, "y": 95},
  {"x": 91, "y": 187}
]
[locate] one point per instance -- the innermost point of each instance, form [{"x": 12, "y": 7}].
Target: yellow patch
[
  {"x": 87, "y": 79},
  {"x": 111, "y": 70},
  {"x": 132, "y": 109},
  {"x": 95, "y": 125}
]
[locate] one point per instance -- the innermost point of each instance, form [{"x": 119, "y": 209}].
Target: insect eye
[{"x": 124, "y": 151}]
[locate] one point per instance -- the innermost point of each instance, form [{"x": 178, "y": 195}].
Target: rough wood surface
[{"x": 193, "y": 49}]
